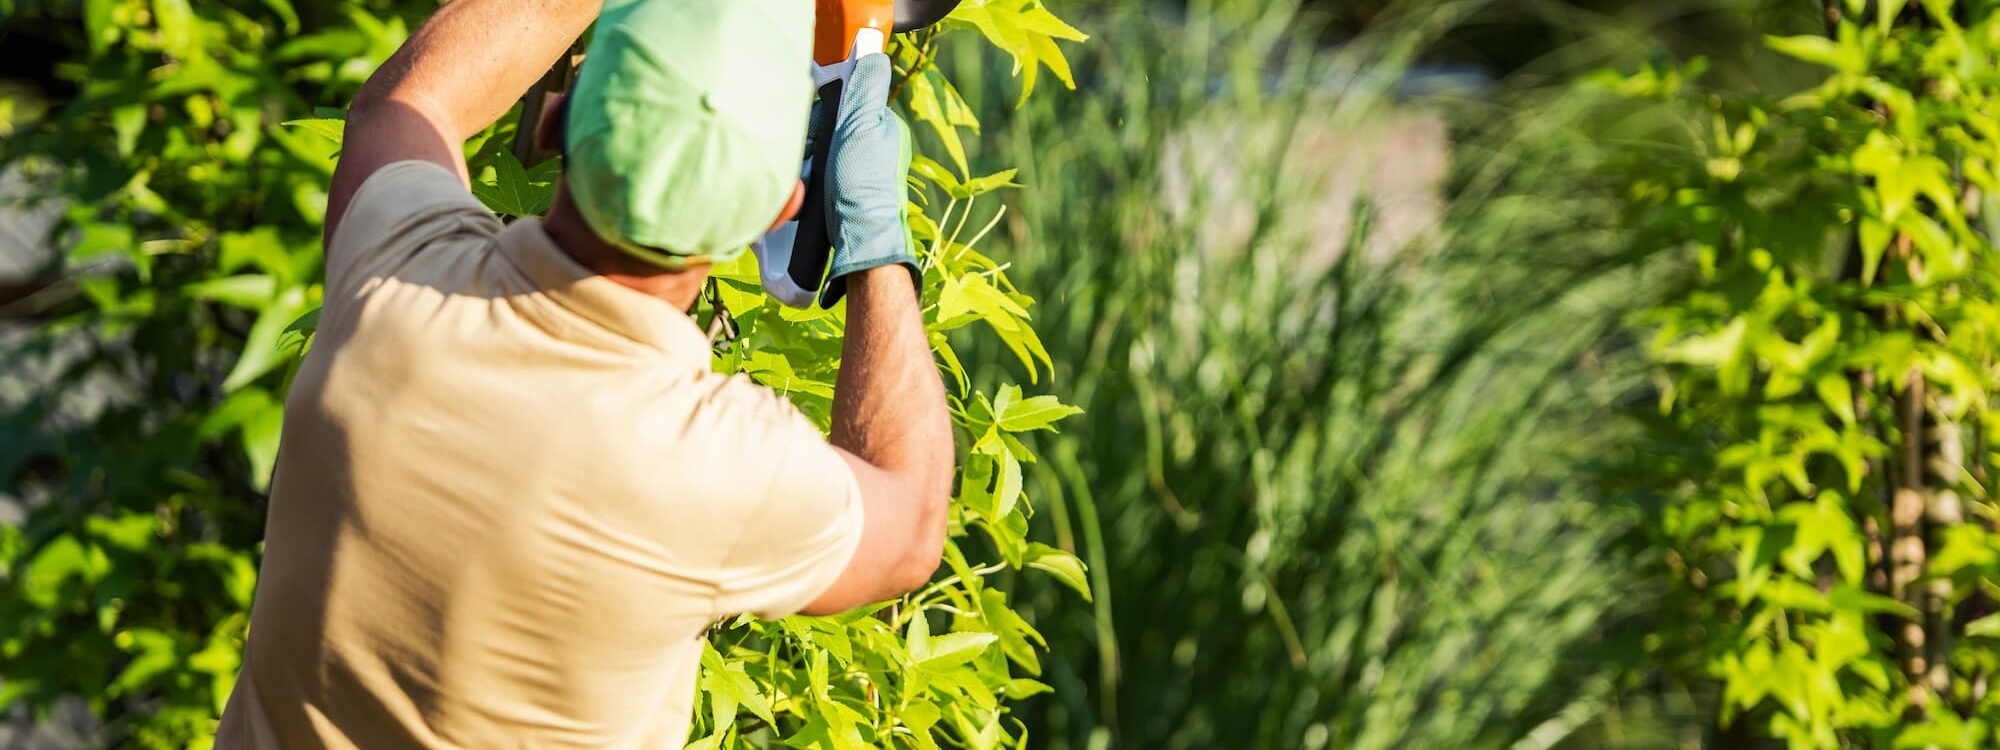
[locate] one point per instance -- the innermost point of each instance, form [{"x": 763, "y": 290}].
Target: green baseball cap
[{"x": 687, "y": 123}]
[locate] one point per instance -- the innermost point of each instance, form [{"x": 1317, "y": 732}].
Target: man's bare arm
[
  {"x": 461, "y": 70},
  {"x": 890, "y": 420}
]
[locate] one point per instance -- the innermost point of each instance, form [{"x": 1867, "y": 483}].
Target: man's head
[{"x": 682, "y": 135}]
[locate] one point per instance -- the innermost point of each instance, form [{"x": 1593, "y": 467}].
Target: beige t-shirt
[{"x": 510, "y": 497}]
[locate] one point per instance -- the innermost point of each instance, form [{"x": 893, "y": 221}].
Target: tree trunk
[{"x": 1907, "y": 551}]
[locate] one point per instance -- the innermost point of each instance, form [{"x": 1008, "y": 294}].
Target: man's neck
[{"x": 567, "y": 228}]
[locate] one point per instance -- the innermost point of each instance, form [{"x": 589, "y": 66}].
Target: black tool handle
[{"x": 812, "y": 247}]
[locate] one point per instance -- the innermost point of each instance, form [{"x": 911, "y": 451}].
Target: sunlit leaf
[
  {"x": 260, "y": 348},
  {"x": 333, "y": 130},
  {"x": 1063, "y": 565},
  {"x": 1038, "y": 413},
  {"x": 514, "y": 190},
  {"x": 1026, "y": 31}
]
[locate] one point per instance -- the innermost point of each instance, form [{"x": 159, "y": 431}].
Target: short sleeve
[
  {"x": 395, "y": 213},
  {"x": 803, "y": 533}
]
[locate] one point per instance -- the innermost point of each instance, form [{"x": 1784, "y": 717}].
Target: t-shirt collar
[{"x": 623, "y": 310}]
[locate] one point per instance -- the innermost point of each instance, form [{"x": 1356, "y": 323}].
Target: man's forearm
[
  {"x": 890, "y": 421},
  {"x": 472, "y": 60},
  {"x": 889, "y": 407},
  {"x": 463, "y": 69}
]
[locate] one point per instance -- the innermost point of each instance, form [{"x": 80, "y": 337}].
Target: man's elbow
[
  {"x": 926, "y": 551},
  {"x": 375, "y": 93},
  {"x": 918, "y": 570}
]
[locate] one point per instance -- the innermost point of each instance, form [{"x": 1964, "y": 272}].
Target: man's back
[{"x": 511, "y": 496}]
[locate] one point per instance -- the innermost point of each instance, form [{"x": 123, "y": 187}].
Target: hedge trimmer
[{"x": 795, "y": 255}]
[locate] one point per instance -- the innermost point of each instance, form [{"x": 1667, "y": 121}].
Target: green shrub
[
  {"x": 1333, "y": 485},
  {"x": 1818, "y": 463},
  {"x": 190, "y": 147}
]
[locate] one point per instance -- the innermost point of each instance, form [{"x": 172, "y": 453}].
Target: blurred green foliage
[
  {"x": 1295, "y": 476},
  {"x": 1331, "y": 481},
  {"x": 1818, "y": 455},
  {"x": 190, "y": 236}
]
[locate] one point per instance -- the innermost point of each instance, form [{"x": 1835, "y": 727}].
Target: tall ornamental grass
[{"x": 1335, "y": 489}]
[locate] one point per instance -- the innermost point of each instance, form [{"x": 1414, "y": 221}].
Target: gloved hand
[
  {"x": 774, "y": 250},
  {"x": 867, "y": 181}
]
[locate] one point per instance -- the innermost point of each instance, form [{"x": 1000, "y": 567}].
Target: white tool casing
[{"x": 774, "y": 250}]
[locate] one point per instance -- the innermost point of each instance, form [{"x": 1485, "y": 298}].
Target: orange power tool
[{"x": 844, "y": 31}]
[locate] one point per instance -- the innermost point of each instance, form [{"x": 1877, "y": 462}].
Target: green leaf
[
  {"x": 987, "y": 184},
  {"x": 1021, "y": 688},
  {"x": 815, "y": 733},
  {"x": 1008, "y": 492},
  {"x": 844, "y": 726},
  {"x": 261, "y": 249},
  {"x": 942, "y": 347},
  {"x": 1018, "y": 639},
  {"x": 1881, "y": 158},
  {"x": 514, "y": 190},
  {"x": 248, "y": 291},
  {"x": 929, "y": 169},
  {"x": 99, "y": 24},
  {"x": 775, "y": 370},
  {"x": 917, "y": 636},
  {"x": 154, "y": 653},
  {"x": 1886, "y": 13},
  {"x": 1838, "y": 396},
  {"x": 1009, "y": 536},
  {"x": 926, "y": 108},
  {"x": 285, "y": 12},
  {"x": 1027, "y": 32},
  {"x": 1713, "y": 349},
  {"x": 1943, "y": 729},
  {"x": 298, "y": 335},
  {"x": 1063, "y": 565},
  {"x": 1850, "y": 597},
  {"x": 975, "y": 478},
  {"x": 1814, "y": 48},
  {"x": 1038, "y": 413},
  {"x": 1965, "y": 548},
  {"x": 1984, "y": 627},
  {"x": 922, "y": 229},
  {"x": 260, "y": 347},
  {"x": 101, "y": 240},
  {"x": 1724, "y": 350},
  {"x": 727, "y": 686},
  {"x": 260, "y": 442},
  {"x": 331, "y": 129},
  {"x": 920, "y": 717},
  {"x": 62, "y": 559},
  {"x": 239, "y": 577},
  {"x": 127, "y": 123},
  {"x": 1006, "y": 316},
  {"x": 175, "y": 22},
  {"x": 952, "y": 649},
  {"x": 131, "y": 532},
  {"x": 953, "y": 302}
]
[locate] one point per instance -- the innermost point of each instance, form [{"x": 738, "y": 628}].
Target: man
[{"x": 511, "y": 495}]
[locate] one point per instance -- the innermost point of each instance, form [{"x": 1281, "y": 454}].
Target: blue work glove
[{"x": 868, "y": 170}]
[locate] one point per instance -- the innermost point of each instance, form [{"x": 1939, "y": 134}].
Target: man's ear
[
  {"x": 549, "y": 128},
  {"x": 792, "y": 205}
]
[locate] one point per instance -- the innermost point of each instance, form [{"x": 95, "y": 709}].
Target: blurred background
[
  {"x": 1349, "y": 293},
  {"x": 1339, "y": 288}
]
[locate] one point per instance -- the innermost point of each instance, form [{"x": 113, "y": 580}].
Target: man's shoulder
[{"x": 398, "y": 210}]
